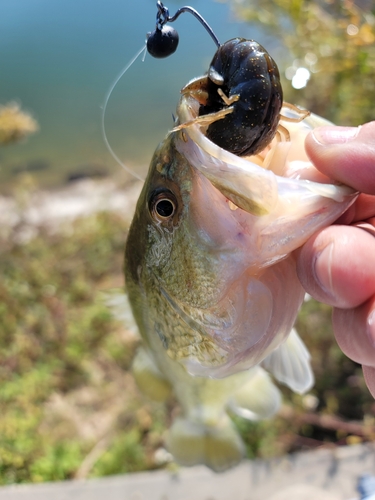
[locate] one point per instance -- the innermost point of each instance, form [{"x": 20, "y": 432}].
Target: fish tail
[{"x": 218, "y": 446}]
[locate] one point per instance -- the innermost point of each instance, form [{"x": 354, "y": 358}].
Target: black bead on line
[{"x": 163, "y": 41}]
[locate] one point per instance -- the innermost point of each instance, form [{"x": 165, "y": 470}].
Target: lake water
[{"x": 58, "y": 59}]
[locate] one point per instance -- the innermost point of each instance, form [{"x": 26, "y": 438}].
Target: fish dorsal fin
[
  {"x": 259, "y": 398},
  {"x": 290, "y": 364}
]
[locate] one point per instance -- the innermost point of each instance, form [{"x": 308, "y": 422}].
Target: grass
[
  {"x": 68, "y": 403},
  {"x": 64, "y": 360}
]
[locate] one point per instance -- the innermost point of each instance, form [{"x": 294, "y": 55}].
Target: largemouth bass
[{"x": 211, "y": 277}]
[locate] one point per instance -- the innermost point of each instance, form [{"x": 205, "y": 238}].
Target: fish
[{"x": 210, "y": 275}]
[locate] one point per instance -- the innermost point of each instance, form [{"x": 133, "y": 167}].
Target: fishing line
[
  {"x": 108, "y": 95},
  {"x": 160, "y": 43}
]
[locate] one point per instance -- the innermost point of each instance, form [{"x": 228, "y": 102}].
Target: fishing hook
[{"x": 163, "y": 17}]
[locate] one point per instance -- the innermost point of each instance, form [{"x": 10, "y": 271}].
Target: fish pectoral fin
[
  {"x": 290, "y": 364},
  {"x": 258, "y": 399},
  {"x": 148, "y": 377},
  {"x": 218, "y": 446}
]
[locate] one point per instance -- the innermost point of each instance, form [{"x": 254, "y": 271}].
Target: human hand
[{"x": 337, "y": 264}]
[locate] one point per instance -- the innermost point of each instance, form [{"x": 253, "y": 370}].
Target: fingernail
[
  {"x": 371, "y": 327},
  {"x": 323, "y": 270},
  {"x": 335, "y": 135}
]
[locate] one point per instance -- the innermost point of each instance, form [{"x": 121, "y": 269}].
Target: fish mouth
[
  {"x": 241, "y": 181},
  {"x": 254, "y": 183},
  {"x": 274, "y": 196}
]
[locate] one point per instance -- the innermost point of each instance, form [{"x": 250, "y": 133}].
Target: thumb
[{"x": 346, "y": 154}]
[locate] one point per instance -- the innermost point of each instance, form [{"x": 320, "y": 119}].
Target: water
[{"x": 58, "y": 60}]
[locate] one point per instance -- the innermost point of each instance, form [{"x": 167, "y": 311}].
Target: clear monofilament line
[{"x": 108, "y": 95}]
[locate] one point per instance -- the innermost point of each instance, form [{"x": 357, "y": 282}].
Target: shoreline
[{"x": 79, "y": 199}]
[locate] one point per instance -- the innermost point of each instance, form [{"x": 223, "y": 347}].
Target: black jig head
[{"x": 163, "y": 41}]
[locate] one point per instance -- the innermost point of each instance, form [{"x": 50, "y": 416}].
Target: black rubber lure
[
  {"x": 242, "y": 76},
  {"x": 243, "y": 68}
]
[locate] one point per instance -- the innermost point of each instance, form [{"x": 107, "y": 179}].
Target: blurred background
[
  {"x": 59, "y": 59},
  {"x": 68, "y": 404}
]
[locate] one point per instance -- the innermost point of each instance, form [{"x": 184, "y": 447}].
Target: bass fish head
[
  {"x": 209, "y": 260},
  {"x": 182, "y": 258}
]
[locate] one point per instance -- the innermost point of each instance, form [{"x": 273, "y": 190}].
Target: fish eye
[{"x": 163, "y": 206}]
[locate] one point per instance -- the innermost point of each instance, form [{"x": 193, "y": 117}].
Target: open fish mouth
[
  {"x": 279, "y": 189},
  {"x": 251, "y": 182}
]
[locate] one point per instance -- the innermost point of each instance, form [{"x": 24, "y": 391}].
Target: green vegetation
[
  {"x": 64, "y": 361},
  {"x": 15, "y": 124},
  {"x": 334, "y": 41}
]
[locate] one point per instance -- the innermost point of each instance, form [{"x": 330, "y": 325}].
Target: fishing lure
[{"x": 240, "y": 97}]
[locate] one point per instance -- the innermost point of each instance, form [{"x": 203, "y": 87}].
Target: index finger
[{"x": 346, "y": 154}]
